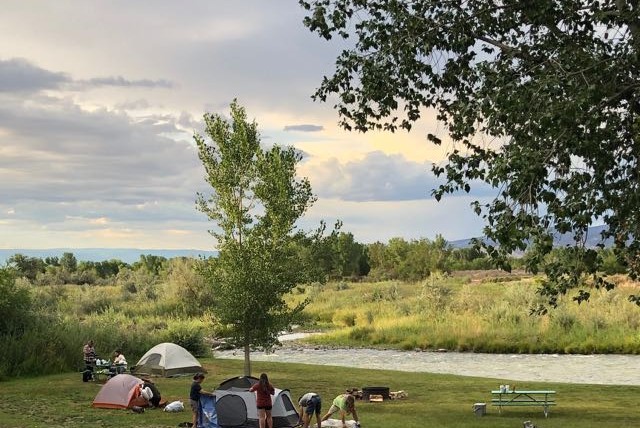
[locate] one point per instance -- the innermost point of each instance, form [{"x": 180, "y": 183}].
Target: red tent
[{"x": 120, "y": 392}]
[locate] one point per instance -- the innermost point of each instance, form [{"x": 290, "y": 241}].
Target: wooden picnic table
[{"x": 543, "y": 398}]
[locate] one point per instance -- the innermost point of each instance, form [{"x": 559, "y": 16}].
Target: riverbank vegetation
[
  {"x": 62, "y": 400},
  {"x": 479, "y": 312},
  {"x": 133, "y": 307},
  {"x": 472, "y": 312}
]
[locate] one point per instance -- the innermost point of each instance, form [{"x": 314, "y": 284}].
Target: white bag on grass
[{"x": 174, "y": 406}]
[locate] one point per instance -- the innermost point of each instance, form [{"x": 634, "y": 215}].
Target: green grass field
[{"x": 434, "y": 400}]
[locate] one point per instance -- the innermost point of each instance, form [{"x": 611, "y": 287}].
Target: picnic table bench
[{"x": 542, "y": 398}]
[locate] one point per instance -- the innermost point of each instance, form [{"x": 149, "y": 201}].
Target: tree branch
[
  {"x": 633, "y": 24},
  {"x": 500, "y": 45}
]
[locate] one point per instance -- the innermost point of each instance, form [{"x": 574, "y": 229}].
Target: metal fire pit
[{"x": 368, "y": 391}]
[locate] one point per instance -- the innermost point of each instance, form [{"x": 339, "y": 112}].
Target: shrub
[
  {"x": 15, "y": 304},
  {"x": 189, "y": 335},
  {"x": 361, "y": 334}
]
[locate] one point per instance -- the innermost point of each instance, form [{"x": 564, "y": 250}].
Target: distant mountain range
[
  {"x": 563, "y": 240},
  {"x": 127, "y": 255}
]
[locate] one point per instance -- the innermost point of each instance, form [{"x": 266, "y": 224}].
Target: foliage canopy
[
  {"x": 256, "y": 201},
  {"x": 540, "y": 98}
]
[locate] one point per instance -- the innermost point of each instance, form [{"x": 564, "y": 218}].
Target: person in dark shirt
[
  {"x": 264, "y": 390},
  {"x": 155, "y": 400},
  {"x": 194, "y": 396}
]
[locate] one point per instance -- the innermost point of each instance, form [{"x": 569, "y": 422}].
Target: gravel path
[{"x": 588, "y": 369}]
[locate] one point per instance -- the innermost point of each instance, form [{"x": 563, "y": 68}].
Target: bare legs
[
  {"x": 264, "y": 418},
  {"x": 306, "y": 420},
  {"x": 268, "y": 419}
]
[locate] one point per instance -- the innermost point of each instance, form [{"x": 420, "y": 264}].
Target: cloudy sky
[{"x": 99, "y": 101}]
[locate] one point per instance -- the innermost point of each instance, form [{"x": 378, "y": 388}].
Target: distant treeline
[{"x": 337, "y": 256}]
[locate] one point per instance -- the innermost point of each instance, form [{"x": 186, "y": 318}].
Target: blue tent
[{"x": 208, "y": 417}]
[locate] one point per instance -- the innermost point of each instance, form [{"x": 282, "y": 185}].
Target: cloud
[
  {"x": 96, "y": 141},
  {"x": 373, "y": 221},
  {"x": 304, "y": 128},
  {"x": 71, "y": 169},
  {"x": 121, "y": 81},
  {"x": 20, "y": 75},
  {"x": 376, "y": 177}
]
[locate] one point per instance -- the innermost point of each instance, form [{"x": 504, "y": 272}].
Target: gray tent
[
  {"x": 239, "y": 382},
  {"x": 236, "y": 407},
  {"x": 167, "y": 359}
]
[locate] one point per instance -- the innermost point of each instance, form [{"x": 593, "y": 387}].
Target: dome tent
[
  {"x": 239, "y": 382},
  {"x": 236, "y": 407},
  {"x": 168, "y": 359},
  {"x": 120, "y": 392}
]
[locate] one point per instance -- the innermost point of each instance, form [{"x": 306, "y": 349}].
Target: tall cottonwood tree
[
  {"x": 541, "y": 99},
  {"x": 256, "y": 201}
]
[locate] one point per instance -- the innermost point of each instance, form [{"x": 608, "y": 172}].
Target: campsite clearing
[{"x": 63, "y": 400}]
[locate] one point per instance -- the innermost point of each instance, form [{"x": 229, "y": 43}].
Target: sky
[{"x": 99, "y": 102}]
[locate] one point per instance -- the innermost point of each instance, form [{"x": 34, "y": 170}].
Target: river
[{"x": 586, "y": 369}]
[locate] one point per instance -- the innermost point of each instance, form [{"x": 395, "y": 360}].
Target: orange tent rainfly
[{"x": 120, "y": 392}]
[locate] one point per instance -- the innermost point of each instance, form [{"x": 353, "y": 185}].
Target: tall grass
[
  {"x": 457, "y": 314},
  {"x": 454, "y": 313},
  {"x": 65, "y": 317}
]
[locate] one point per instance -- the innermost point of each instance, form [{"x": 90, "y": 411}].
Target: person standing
[
  {"x": 343, "y": 403},
  {"x": 194, "y": 397},
  {"x": 310, "y": 403},
  {"x": 89, "y": 356},
  {"x": 264, "y": 390}
]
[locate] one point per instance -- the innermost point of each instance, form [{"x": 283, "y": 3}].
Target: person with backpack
[{"x": 264, "y": 390}]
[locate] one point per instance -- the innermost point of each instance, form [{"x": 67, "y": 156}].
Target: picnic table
[
  {"x": 543, "y": 398},
  {"x": 102, "y": 372}
]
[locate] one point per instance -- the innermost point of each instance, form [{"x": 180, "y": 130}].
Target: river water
[{"x": 587, "y": 369}]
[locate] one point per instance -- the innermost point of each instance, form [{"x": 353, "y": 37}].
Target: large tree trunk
[{"x": 247, "y": 360}]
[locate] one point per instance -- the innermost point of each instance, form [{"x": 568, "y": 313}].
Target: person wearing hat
[{"x": 194, "y": 396}]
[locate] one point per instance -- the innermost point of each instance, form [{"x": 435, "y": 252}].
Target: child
[
  {"x": 194, "y": 396},
  {"x": 264, "y": 390},
  {"x": 343, "y": 403}
]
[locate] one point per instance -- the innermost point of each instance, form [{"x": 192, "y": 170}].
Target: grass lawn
[{"x": 63, "y": 400}]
